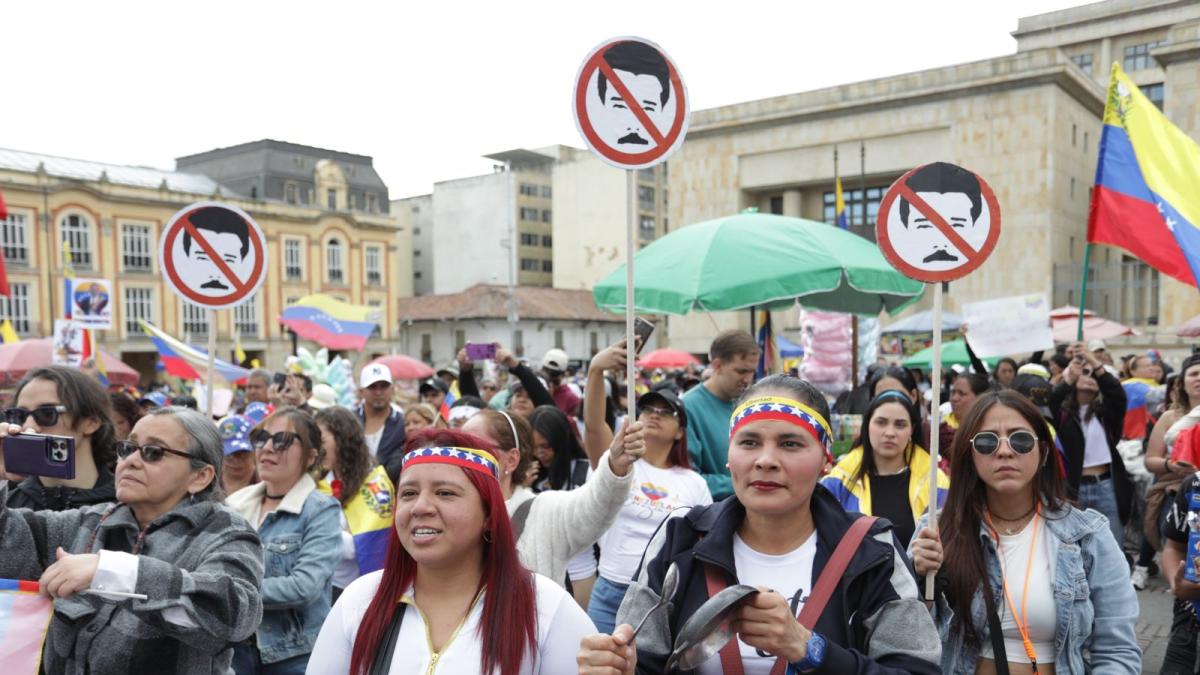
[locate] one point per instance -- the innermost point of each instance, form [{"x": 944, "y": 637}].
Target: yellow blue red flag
[{"x": 840, "y": 204}]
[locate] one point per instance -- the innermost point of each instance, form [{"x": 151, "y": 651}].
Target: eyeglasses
[
  {"x": 657, "y": 411},
  {"x": 43, "y": 415},
  {"x": 280, "y": 441},
  {"x": 988, "y": 442},
  {"x": 151, "y": 453}
]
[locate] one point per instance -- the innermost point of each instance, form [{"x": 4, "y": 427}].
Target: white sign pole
[
  {"x": 630, "y": 346},
  {"x": 935, "y": 411},
  {"x": 212, "y": 355}
]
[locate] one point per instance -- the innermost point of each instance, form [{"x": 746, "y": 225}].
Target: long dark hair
[
  {"x": 961, "y": 517},
  {"x": 558, "y": 430},
  {"x": 307, "y": 431},
  {"x": 84, "y": 398},
  {"x": 867, "y": 467},
  {"x": 507, "y": 629},
  {"x": 1182, "y": 403},
  {"x": 353, "y": 458},
  {"x": 901, "y": 375}
]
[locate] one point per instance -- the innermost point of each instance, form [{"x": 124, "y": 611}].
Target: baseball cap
[
  {"x": 556, "y": 360},
  {"x": 372, "y": 373},
  {"x": 1034, "y": 369},
  {"x": 434, "y": 383},
  {"x": 156, "y": 398},
  {"x": 322, "y": 397},
  {"x": 669, "y": 397},
  {"x": 1035, "y": 388},
  {"x": 1096, "y": 345},
  {"x": 451, "y": 368},
  {"x": 235, "y": 433}
]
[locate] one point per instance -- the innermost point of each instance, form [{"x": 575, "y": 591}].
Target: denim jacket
[
  {"x": 1097, "y": 606},
  {"x": 302, "y": 543}
]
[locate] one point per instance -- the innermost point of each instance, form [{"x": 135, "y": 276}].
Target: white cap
[
  {"x": 322, "y": 397},
  {"x": 1096, "y": 345},
  {"x": 372, "y": 373},
  {"x": 555, "y": 359}
]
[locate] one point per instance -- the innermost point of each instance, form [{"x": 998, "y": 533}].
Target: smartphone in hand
[
  {"x": 483, "y": 352},
  {"x": 642, "y": 329},
  {"x": 40, "y": 455}
]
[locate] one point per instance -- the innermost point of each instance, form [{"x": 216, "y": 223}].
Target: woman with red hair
[{"x": 453, "y": 596}]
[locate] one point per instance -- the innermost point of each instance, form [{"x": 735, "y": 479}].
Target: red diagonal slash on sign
[
  {"x": 630, "y": 101},
  {"x": 938, "y": 222},
  {"x": 212, "y": 254}
]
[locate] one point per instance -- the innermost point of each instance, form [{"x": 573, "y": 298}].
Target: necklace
[
  {"x": 279, "y": 497},
  {"x": 1009, "y": 530}
]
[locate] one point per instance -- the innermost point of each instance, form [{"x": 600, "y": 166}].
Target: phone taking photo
[
  {"x": 642, "y": 329},
  {"x": 482, "y": 352},
  {"x": 40, "y": 455}
]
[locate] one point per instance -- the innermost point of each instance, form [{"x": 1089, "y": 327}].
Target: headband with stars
[
  {"x": 468, "y": 458},
  {"x": 783, "y": 409}
]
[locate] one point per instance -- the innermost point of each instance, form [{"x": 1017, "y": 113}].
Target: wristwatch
[{"x": 814, "y": 655}]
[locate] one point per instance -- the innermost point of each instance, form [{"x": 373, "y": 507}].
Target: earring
[{"x": 487, "y": 537}]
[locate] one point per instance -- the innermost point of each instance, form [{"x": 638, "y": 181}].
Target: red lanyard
[{"x": 1022, "y": 619}]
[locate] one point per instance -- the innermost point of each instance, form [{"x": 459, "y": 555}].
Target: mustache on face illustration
[
  {"x": 633, "y": 138},
  {"x": 940, "y": 255}
]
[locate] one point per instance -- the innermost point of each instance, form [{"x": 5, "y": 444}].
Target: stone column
[{"x": 791, "y": 203}]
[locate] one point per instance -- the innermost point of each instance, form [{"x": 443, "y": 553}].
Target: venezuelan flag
[
  {"x": 1137, "y": 416},
  {"x": 91, "y": 351},
  {"x": 331, "y": 323},
  {"x": 188, "y": 362},
  {"x": 839, "y": 204},
  {"x": 768, "y": 352},
  {"x": 8, "y": 335},
  {"x": 24, "y": 619},
  {"x": 1147, "y": 194}
]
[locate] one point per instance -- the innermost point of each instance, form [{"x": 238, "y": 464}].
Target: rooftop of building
[
  {"x": 281, "y": 146},
  {"x": 1105, "y": 11},
  {"x": 487, "y": 301},
  {"x": 87, "y": 170}
]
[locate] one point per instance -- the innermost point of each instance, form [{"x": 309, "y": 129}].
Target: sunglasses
[
  {"x": 150, "y": 453},
  {"x": 988, "y": 442},
  {"x": 657, "y": 411},
  {"x": 280, "y": 441},
  {"x": 43, "y": 415}
]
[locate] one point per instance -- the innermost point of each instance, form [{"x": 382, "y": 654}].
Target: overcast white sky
[{"x": 426, "y": 88}]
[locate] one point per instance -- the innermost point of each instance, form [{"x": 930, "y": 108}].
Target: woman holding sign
[
  {"x": 1057, "y": 597},
  {"x": 780, "y": 532}
]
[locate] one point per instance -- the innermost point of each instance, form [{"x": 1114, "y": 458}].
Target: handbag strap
[
  {"x": 999, "y": 656},
  {"x": 831, "y": 575},
  {"x": 382, "y": 663}
]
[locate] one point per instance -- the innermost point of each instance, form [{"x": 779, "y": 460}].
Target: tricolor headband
[
  {"x": 783, "y": 409},
  {"x": 467, "y": 458}
]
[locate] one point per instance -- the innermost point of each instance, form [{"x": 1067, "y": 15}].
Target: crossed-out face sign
[
  {"x": 938, "y": 222},
  {"x": 630, "y": 104},
  {"x": 213, "y": 254}
]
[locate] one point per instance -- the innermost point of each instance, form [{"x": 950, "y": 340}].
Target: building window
[
  {"x": 518, "y": 342},
  {"x": 305, "y": 196},
  {"x": 416, "y": 231},
  {"x": 289, "y": 193},
  {"x": 547, "y": 266},
  {"x": 646, "y": 224},
  {"x": 558, "y": 339},
  {"x": 1154, "y": 92},
  {"x": 1137, "y": 57},
  {"x": 245, "y": 317},
  {"x": 15, "y": 307},
  {"x": 529, "y": 214},
  {"x": 854, "y": 207},
  {"x": 372, "y": 205},
  {"x": 460, "y": 339},
  {"x": 546, "y": 191},
  {"x": 1084, "y": 61},
  {"x": 378, "y": 304},
  {"x": 333, "y": 261},
  {"x": 646, "y": 174},
  {"x": 417, "y": 253},
  {"x": 529, "y": 265},
  {"x": 645, "y": 198},
  {"x": 547, "y": 241},
  {"x": 135, "y": 247},
  {"x": 13, "y": 237},
  {"x": 371, "y": 263},
  {"x": 426, "y": 347},
  {"x": 331, "y": 199},
  {"x": 528, "y": 190},
  {"x": 293, "y": 259},
  {"x": 360, "y": 200},
  {"x": 139, "y": 305},
  {"x": 195, "y": 320},
  {"x": 545, "y": 215},
  {"x": 77, "y": 232},
  {"x": 777, "y": 205},
  {"x": 1139, "y": 292},
  {"x": 417, "y": 274},
  {"x": 529, "y": 239}
]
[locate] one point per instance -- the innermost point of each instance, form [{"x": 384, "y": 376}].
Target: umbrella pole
[
  {"x": 853, "y": 351},
  {"x": 630, "y": 347},
  {"x": 1087, "y": 259},
  {"x": 935, "y": 368},
  {"x": 212, "y": 354}
]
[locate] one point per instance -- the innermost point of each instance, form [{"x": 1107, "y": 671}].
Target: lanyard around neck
[{"x": 1022, "y": 619}]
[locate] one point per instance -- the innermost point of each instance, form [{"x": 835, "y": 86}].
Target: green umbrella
[
  {"x": 954, "y": 353},
  {"x": 755, "y": 259}
]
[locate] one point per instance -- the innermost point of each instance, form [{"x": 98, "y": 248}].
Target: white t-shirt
[
  {"x": 561, "y": 624},
  {"x": 654, "y": 494},
  {"x": 373, "y": 441},
  {"x": 790, "y": 575},
  {"x": 1039, "y": 610},
  {"x": 1095, "y": 441}
]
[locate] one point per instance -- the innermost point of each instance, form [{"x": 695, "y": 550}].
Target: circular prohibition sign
[{"x": 241, "y": 289}]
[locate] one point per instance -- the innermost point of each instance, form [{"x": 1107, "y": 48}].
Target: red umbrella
[
  {"x": 20, "y": 357},
  {"x": 405, "y": 367},
  {"x": 1064, "y": 322},
  {"x": 668, "y": 358}
]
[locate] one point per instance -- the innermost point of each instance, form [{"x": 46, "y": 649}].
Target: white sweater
[{"x": 562, "y": 523}]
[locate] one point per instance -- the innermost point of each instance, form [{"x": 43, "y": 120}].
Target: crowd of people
[{"x": 529, "y": 526}]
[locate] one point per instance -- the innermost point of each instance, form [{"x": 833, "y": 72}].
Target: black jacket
[
  {"x": 874, "y": 610},
  {"x": 1111, "y": 413},
  {"x": 31, "y": 494}
]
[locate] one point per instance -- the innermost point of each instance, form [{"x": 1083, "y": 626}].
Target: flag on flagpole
[
  {"x": 68, "y": 277},
  {"x": 840, "y": 204},
  {"x": 189, "y": 362},
  {"x": 768, "y": 353},
  {"x": 7, "y": 334},
  {"x": 331, "y": 323},
  {"x": 1146, "y": 198},
  {"x": 92, "y": 351},
  {"x": 239, "y": 354},
  {"x": 24, "y": 620}
]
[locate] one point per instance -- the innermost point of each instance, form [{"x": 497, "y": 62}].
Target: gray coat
[{"x": 200, "y": 558}]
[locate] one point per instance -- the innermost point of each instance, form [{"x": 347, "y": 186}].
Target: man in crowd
[
  {"x": 433, "y": 391},
  {"x": 554, "y": 366},
  {"x": 734, "y": 357},
  {"x": 257, "y": 383},
  {"x": 383, "y": 425}
]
